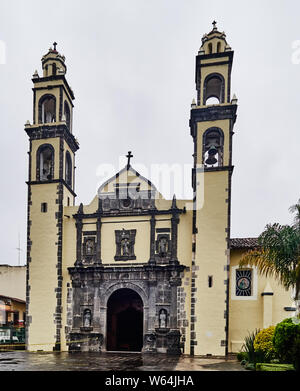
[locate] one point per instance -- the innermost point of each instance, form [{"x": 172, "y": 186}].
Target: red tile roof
[
  {"x": 243, "y": 242},
  {"x": 12, "y": 298}
]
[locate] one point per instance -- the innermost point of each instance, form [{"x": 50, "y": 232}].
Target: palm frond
[
  {"x": 296, "y": 209},
  {"x": 278, "y": 253}
]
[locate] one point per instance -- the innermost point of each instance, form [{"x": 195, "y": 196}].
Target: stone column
[
  {"x": 78, "y": 241},
  {"x": 174, "y": 234},
  {"x": 98, "y": 247},
  {"x": 152, "y": 240}
]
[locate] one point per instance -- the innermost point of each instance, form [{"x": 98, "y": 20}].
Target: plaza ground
[{"x": 27, "y": 361}]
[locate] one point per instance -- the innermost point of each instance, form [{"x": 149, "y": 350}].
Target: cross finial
[
  {"x": 129, "y": 156},
  {"x": 214, "y": 24},
  {"x": 54, "y": 46}
]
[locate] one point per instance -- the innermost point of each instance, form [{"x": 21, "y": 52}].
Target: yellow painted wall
[
  {"x": 211, "y": 258},
  {"x": 247, "y": 315},
  {"x": 13, "y": 281},
  {"x": 43, "y": 234}
]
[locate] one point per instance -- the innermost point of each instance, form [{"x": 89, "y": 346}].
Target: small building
[
  {"x": 12, "y": 311},
  {"x": 12, "y": 303},
  {"x": 13, "y": 281}
]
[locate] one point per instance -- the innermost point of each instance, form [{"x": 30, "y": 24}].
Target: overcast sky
[{"x": 131, "y": 65}]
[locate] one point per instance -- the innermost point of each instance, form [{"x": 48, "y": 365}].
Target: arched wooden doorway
[{"x": 125, "y": 321}]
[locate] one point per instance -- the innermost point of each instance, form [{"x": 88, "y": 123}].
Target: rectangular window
[
  {"x": 243, "y": 285},
  {"x": 44, "y": 207},
  {"x": 68, "y": 201},
  {"x": 210, "y": 281},
  {"x": 16, "y": 318}
]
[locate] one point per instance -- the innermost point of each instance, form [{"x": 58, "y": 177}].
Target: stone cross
[{"x": 129, "y": 156}]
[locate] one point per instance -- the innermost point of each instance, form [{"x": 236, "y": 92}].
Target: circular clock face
[{"x": 243, "y": 283}]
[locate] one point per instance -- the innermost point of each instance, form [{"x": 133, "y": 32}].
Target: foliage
[
  {"x": 274, "y": 367},
  {"x": 242, "y": 356},
  {"x": 286, "y": 341},
  {"x": 278, "y": 253},
  {"x": 248, "y": 347},
  {"x": 263, "y": 343},
  {"x": 250, "y": 366}
]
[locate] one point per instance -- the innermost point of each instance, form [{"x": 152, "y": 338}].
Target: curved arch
[
  {"x": 45, "y": 161},
  {"x": 68, "y": 169},
  {"x": 125, "y": 320},
  {"x": 127, "y": 285},
  {"x": 214, "y": 87},
  {"x": 47, "y": 108},
  {"x": 215, "y": 129},
  {"x": 213, "y": 137},
  {"x": 67, "y": 114}
]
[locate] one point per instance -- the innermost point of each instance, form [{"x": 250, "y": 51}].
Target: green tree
[{"x": 278, "y": 254}]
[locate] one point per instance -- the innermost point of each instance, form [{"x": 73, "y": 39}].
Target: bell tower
[
  {"x": 211, "y": 124},
  {"x": 51, "y": 181}
]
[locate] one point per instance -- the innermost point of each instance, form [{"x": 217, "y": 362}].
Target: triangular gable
[{"x": 128, "y": 181}]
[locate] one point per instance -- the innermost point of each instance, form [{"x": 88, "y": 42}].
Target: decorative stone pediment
[{"x": 127, "y": 192}]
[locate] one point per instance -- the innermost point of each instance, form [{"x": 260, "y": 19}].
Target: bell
[
  {"x": 211, "y": 155},
  {"x": 211, "y": 160},
  {"x": 212, "y": 150}
]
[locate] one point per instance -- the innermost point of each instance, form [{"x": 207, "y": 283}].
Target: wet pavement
[{"x": 63, "y": 361}]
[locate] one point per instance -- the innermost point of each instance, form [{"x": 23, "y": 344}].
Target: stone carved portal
[
  {"x": 125, "y": 321},
  {"x": 132, "y": 308}
]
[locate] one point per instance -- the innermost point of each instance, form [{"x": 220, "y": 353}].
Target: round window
[{"x": 126, "y": 203}]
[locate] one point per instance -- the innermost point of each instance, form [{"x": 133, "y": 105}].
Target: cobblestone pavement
[{"x": 27, "y": 361}]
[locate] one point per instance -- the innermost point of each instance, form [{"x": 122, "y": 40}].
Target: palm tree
[{"x": 278, "y": 254}]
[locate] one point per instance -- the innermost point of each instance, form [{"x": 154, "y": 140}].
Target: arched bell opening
[
  {"x": 214, "y": 87},
  {"x": 125, "y": 321},
  {"x": 68, "y": 173},
  {"x": 47, "y": 109},
  {"x": 212, "y": 101},
  {"x": 213, "y": 143},
  {"x": 67, "y": 115},
  {"x": 45, "y": 163}
]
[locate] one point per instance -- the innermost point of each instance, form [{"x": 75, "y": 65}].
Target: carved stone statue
[
  {"x": 149, "y": 342},
  {"x": 125, "y": 243},
  {"x": 163, "y": 246},
  {"x": 162, "y": 319},
  {"x": 87, "y": 317},
  {"x": 89, "y": 247}
]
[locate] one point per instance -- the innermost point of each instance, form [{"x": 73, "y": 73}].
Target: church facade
[{"x": 133, "y": 271}]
